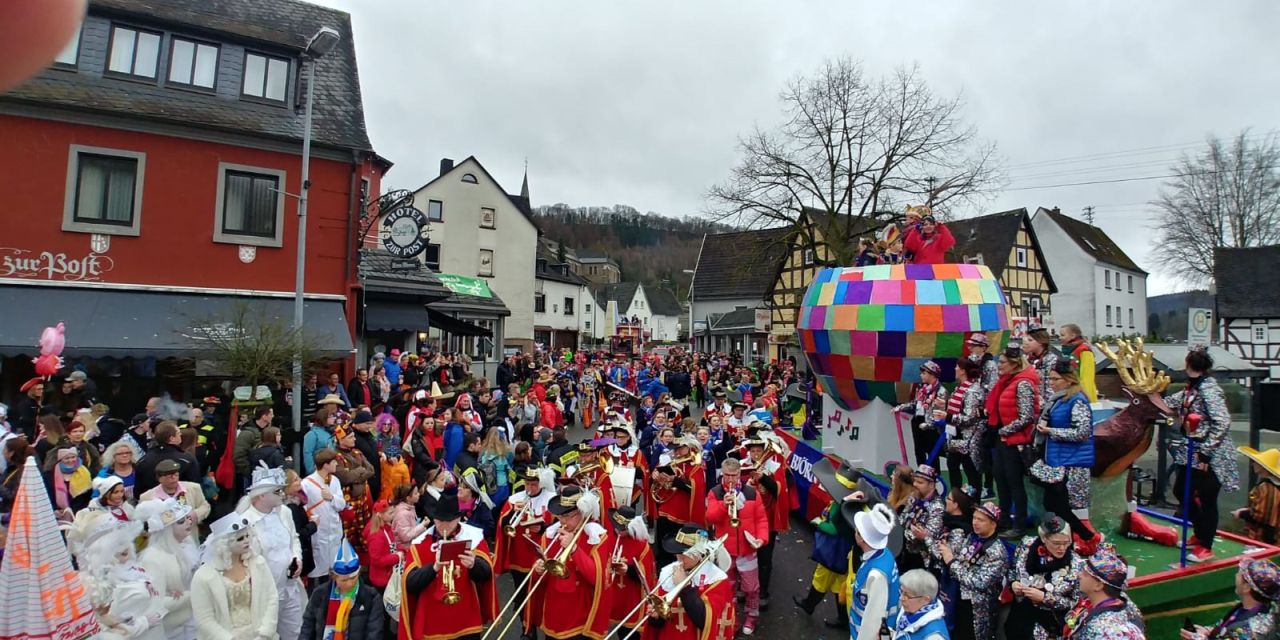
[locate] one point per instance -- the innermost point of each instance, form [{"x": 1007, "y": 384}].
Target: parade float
[{"x": 865, "y": 331}]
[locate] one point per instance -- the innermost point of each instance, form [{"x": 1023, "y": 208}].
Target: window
[
  {"x": 103, "y": 191},
  {"x": 265, "y": 77},
  {"x": 1108, "y": 315},
  {"x": 1130, "y": 317},
  {"x": 432, "y": 256},
  {"x": 568, "y": 306},
  {"x": 486, "y": 262},
  {"x": 808, "y": 257},
  {"x": 1021, "y": 255},
  {"x": 586, "y": 308},
  {"x": 470, "y": 178},
  {"x": 250, "y": 206},
  {"x": 70, "y": 54},
  {"x": 134, "y": 52},
  {"x": 487, "y": 218},
  {"x": 1260, "y": 334},
  {"x": 1130, "y": 284},
  {"x": 539, "y": 303},
  {"x": 192, "y": 63},
  {"x": 587, "y": 325},
  {"x": 435, "y": 211},
  {"x": 1106, "y": 276}
]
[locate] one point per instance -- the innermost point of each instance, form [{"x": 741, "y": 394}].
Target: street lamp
[
  {"x": 693, "y": 337},
  {"x": 321, "y": 43}
]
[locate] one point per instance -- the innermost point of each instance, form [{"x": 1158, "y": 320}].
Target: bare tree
[
  {"x": 253, "y": 347},
  {"x": 857, "y": 150},
  {"x": 1227, "y": 195}
]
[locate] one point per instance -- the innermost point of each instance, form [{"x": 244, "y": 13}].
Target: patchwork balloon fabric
[{"x": 866, "y": 330}]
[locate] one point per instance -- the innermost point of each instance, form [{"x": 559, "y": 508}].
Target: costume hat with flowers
[
  {"x": 347, "y": 562},
  {"x": 1108, "y": 566},
  {"x": 1262, "y": 576},
  {"x": 266, "y": 479},
  {"x": 1269, "y": 459},
  {"x": 167, "y": 513}
]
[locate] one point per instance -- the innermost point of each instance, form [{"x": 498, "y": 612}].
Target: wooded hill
[{"x": 649, "y": 247}]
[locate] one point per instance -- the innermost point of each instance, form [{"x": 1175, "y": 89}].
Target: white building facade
[
  {"x": 563, "y": 308},
  {"x": 478, "y": 230},
  {"x": 1099, "y": 287}
]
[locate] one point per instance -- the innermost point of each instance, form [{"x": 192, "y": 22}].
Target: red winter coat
[
  {"x": 382, "y": 555},
  {"x": 931, "y": 250},
  {"x": 751, "y": 518},
  {"x": 551, "y": 415},
  {"x": 1002, "y": 405}
]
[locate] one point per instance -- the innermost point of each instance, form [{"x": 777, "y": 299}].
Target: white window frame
[
  {"x": 439, "y": 218},
  {"x": 493, "y": 217},
  {"x": 808, "y": 256},
  {"x": 1130, "y": 284},
  {"x": 1108, "y": 315},
  {"x": 69, "y": 57},
  {"x": 480, "y": 263},
  {"x": 1258, "y": 333},
  {"x": 69, "y": 222},
  {"x": 133, "y": 59},
  {"x": 1131, "y": 326},
  {"x": 266, "y": 77},
  {"x": 219, "y": 235},
  {"x": 196, "y": 46},
  {"x": 1106, "y": 278},
  {"x": 568, "y": 305},
  {"x": 1020, "y": 254},
  {"x": 470, "y": 178}
]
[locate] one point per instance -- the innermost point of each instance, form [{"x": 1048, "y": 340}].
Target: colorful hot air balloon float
[{"x": 866, "y": 330}]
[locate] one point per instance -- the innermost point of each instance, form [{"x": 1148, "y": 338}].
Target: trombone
[
  {"x": 557, "y": 566},
  {"x": 662, "y": 604},
  {"x": 516, "y": 519}
]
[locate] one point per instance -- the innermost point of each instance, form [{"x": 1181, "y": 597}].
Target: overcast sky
[{"x": 642, "y": 103}]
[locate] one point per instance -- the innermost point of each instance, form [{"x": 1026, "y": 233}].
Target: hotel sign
[{"x": 30, "y": 264}]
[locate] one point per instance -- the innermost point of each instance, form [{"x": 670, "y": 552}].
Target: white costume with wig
[
  {"x": 171, "y": 563},
  {"x": 127, "y": 603},
  {"x": 226, "y": 610},
  {"x": 280, "y": 547}
]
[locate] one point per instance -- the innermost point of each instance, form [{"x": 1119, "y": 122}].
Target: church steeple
[{"x": 524, "y": 187}]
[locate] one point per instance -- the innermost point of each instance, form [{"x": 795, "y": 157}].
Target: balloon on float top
[{"x": 866, "y": 330}]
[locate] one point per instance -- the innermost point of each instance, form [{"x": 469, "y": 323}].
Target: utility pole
[
  {"x": 930, "y": 180},
  {"x": 1088, "y": 214}
]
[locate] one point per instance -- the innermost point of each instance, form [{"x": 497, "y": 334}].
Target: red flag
[{"x": 226, "y": 473}]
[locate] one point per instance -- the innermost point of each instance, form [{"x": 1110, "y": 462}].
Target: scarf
[
  {"x": 338, "y": 616},
  {"x": 70, "y": 482},
  {"x": 1040, "y": 561},
  {"x": 909, "y": 623}
]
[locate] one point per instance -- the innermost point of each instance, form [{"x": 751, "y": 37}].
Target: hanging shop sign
[{"x": 404, "y": 232}]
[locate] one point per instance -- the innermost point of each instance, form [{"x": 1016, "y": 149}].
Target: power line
[
  {"x": 1138, "y": 151},
  {"x": 1116, "y": 180}
]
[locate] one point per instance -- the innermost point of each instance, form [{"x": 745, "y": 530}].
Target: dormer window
[
  {"x": 192, "y": 63},
  {"x": 265, "y": 77},
  {"x": 134, "y": 52}
]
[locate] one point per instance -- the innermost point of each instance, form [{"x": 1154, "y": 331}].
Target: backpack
[{"x": 489, "y": 472}]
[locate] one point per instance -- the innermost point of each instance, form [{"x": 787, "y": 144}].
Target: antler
[{"x": 1135, "y": 366}]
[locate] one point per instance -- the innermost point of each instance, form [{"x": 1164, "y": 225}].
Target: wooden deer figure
[{"x": 1123, "y": 437}]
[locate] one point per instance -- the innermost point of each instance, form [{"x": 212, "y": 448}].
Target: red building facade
[{"x": 152, "y": 176}]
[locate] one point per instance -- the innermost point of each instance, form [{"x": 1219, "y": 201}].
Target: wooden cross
[{"x": 725, "y": 625}]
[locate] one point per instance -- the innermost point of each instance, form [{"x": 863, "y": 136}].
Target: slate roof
[
  {"x": 992, "y": 236},
  {"x": 549, "y": 270},
  {"x": 740, "y": 265},
  {"x": 663, "y": 302},
  {"x": 376, "y": 271},
  {"x": 1093, "y": 241},
  {"x": 736, "y": 319},
  {"x": 1248, "y": 282},
  {"x": 621, "y": 292},
  {"x": 275, "y": 26}
]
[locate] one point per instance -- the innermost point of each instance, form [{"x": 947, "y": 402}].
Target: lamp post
[
  {"x": 321, "y": 43},
  {"x": 693, "y": 337}
]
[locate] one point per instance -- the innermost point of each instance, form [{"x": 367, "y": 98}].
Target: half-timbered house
[
  {"x": 1248, "y": 303},
  {"x": 1007, "y": 244}
]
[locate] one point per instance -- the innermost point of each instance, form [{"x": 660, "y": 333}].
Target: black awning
[
  {"x": 452, "y": 325},
  {"x": 380, "y": 315},
  {"x": 118, "y": 323}
]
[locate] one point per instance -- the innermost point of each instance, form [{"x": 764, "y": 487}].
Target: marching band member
[
  {"x": 704, "y": 606},
  {"x": 631, "y": 565},
  {"x": 523, "y": 519},
  {"x": 736, "y": 510},
  {"x": 575, "y": 604},
  {"x": 452, "y": 599},
  {"x": 766, "y": 452},
  {"x": 678, "y": 491}
]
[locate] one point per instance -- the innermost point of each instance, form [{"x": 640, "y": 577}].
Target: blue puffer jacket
[{"x": 1070, "y": 445}]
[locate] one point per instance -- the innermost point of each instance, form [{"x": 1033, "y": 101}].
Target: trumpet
[
  {"x": 616, "y": 562},
  {"x": 731, "y": 505},
  {"x": 451, "y": 595}
]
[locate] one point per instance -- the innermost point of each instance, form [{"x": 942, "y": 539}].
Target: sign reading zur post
[{"x": 403, "y": 232}]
